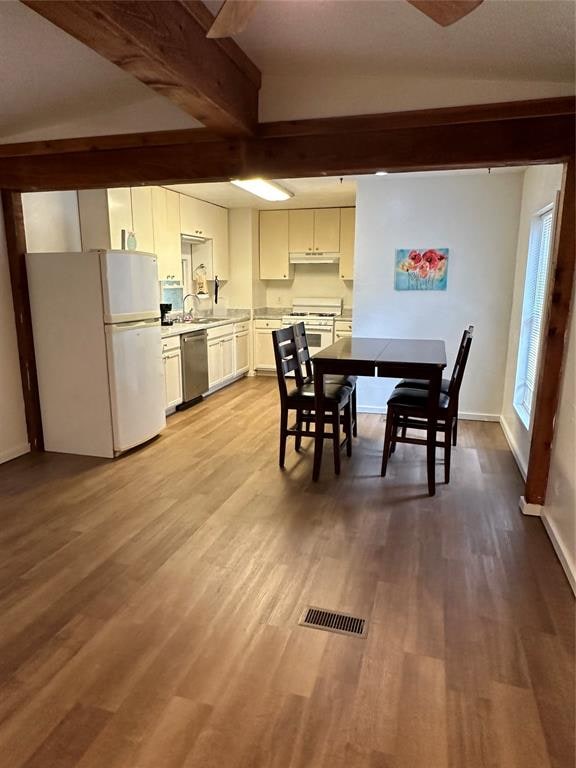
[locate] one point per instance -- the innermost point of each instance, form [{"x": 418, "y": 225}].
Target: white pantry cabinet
[
  {"x": 274, "y": 259},
  {"x": 263, "y": 348},
  {"x": 347, "y": 237}
]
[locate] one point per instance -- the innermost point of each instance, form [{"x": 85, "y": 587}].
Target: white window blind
[{"x": 533, "y": 311}]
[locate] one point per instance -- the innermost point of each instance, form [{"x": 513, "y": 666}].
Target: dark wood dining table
[{"x": 388, "y": 358}]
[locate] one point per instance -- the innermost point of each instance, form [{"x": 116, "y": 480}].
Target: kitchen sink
[{"x": 205, "y": 320}]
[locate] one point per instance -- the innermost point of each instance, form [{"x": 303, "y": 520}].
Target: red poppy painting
[{"x": 421, "y": 269}]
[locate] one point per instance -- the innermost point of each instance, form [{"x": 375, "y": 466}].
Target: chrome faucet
[{"x": 192, "y": 296}]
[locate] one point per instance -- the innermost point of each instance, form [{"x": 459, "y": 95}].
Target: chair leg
[
  {"x": 447, "y": 450},
  {"x": 354, "y": 414},
  {"x": 348, "y": 428},
  {"x": 298, "y": 441},
  {"x": 394, "y": 435},
  {"x": 336, "y": 439},
  {"x": 455, "y": 426},
  {"x": 390, "y": 425},
  {"x": 283, "y": 436}
]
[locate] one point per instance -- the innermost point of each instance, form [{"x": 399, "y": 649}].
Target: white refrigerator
[{"x": 97, "y": 340}]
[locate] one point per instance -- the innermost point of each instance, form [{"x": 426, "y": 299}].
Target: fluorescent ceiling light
[
  {"x": 381, "y": 173},
  {"x": 267, "y": 190}
]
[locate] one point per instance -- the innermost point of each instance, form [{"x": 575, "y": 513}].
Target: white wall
[
  {"x": 310, "y": 280},
  {"x": 559, "y": 512},
  {"x": 51, "y": 221},
  {"x": 541, "y": 184},
  {"x": 13, "y": 435},
  {"x": 476, "y": 217}
]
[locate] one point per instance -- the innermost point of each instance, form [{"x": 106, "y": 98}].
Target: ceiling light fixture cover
[
  {"x": 381, "y": 173},
  {"x": 267, "y": 190}
]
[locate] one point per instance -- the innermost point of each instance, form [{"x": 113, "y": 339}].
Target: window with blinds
[{"x": 534, "y": 305}]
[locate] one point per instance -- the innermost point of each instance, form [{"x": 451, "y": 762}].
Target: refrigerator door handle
[{"x": 119, "y": 327}]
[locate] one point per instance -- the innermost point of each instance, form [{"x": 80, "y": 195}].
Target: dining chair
[
  {"x": 423, "y": 384},
  {"x": 408, "y": 409},
  {"x": 306, "y": 363},
  {"x": 297, "y": 394}
]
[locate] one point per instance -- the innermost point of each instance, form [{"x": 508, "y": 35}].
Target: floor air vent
[{"x": 329, "y": 621}]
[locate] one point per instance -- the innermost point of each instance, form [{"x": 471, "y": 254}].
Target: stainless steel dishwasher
[{"x": 194, "y": 348}]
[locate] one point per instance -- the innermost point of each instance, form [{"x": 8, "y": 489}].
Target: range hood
[{"x": 314, "y": 257}]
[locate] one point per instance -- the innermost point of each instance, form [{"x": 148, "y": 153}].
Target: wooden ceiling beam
[
  {"x": 164, "y": 45},
  {"x": 478, "y": 113},
  {"x": 178, "y": 157}
]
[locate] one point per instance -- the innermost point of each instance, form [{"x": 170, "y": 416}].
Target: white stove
[{"x": 318, "y": 318}]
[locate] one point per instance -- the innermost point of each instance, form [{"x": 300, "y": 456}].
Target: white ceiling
[
  {"x": 321, "y": 192},
  {"x": 512, "y": 39},
  {"x": 53, "y": 86}
]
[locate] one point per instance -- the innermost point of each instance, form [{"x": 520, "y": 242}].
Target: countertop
[{"x": 179, "y": 328}]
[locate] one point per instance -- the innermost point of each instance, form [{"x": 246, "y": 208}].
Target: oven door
[{"x": 319, "y": 337}]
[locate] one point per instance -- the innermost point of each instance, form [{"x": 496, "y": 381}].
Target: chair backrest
[
  {"x": 460, "y": 364},
  {"x": 286, "y": 357},
  {"x": 303, "y": 351}
]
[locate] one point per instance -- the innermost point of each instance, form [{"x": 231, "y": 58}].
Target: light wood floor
[{"x": 149, "y": 606}]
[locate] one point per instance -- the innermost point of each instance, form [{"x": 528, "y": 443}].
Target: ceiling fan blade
[
  {"x": 445, "y": 12},
  {"x": 232, "y": 18}
]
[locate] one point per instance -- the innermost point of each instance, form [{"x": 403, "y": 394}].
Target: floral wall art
[{"x": 423, "y": 269}]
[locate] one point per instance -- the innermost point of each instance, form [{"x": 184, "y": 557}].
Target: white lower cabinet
[
  {"x": 220, "y": 355},
  {"x": 214, "y": 363},
  {"x": 263, "y": 348},
  {"x": 228, "y": 368},
  {"x": 241, "y": 352},
  {"x": 342, "y": 329},
  {"x": 172, "y": 360}
]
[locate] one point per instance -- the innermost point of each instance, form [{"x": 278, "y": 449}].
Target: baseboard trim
[
  {"x": 513, "y": 447},
  {"x": 463, "y": 415},
  {"x": 563, "y": 554},
  {"x": 13, "y": 453},
  {"x": 531, "y": 510}
]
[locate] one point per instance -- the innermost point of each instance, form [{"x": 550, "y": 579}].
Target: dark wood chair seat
[
  {"x": 409, "y": 408},
  {"x": 297, "y": 394},
  {"x": 336, "y": 391},
  {"x": 422, "y": 384},
  {"x": 445, "y": 386},
  {"x": 308, "y": 374}
]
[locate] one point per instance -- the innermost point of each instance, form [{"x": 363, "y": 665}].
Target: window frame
[{"x": 532, "y": 278}]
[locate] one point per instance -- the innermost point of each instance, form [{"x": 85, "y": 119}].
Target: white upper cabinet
[
  {"x": 314, "y": 230},
  {"x": 301, "y": 230},
  {"x": 327, "y": 230},
  {"x": 142, "y": 218},
  {"x": 166, "y": 225},
  {"x": 274, "y": 261},
  {"x": 201, "y": 219},
  {"x": 104, "y": 213},
  {"x": 347, "y": 238}
]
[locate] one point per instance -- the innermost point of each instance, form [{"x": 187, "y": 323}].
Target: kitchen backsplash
[{"x": 320, "y": 280}]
